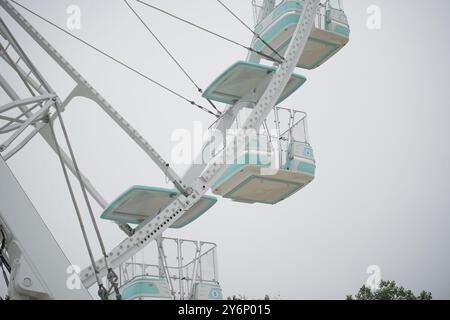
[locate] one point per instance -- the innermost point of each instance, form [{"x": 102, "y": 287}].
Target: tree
[{"x": 388, "y": 290}]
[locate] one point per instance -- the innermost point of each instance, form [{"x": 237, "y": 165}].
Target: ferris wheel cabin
[
  {"x": 246, "y": 80},
  {"x": 271, "y": 167},
  {"x": 139, "y": 203},
  {"x": 329, "y": 35}
]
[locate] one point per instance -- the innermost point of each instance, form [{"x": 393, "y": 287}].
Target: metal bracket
[{"x": 25, "y": 283}]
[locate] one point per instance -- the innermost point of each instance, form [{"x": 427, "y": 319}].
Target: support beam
[
  {"x": 13, "y": 42},
  {"x": 24, "y": 125},
  {"x": 11, "y": 120},
  {"x": 25, "y": 102},
  {"x": 24, "y": 141}
]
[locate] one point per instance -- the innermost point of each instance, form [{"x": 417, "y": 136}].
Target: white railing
[{"x": 181, "y": 277}]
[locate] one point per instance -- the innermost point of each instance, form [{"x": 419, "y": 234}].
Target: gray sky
[{"x": 378, "y": 121}]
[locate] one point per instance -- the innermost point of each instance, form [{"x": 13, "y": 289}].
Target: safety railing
[{"x": 181, "y": 277}]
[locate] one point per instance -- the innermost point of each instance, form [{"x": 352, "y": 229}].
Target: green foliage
[{"x": 388, "y": 290}]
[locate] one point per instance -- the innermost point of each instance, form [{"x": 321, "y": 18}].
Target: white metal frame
[{"x": 199, "y": 179}]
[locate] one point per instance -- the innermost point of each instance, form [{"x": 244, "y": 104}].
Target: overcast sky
[{"x": 379, "y": 125}]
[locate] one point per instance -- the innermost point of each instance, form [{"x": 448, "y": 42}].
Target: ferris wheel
[{"x": 257, "y": 152}]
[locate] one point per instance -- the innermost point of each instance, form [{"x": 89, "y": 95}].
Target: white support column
[{"x": 39, "y": 265}]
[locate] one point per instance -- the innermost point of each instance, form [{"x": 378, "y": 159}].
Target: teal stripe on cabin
[
  {"x": 343, "y": 31},
  {"x": 279, "y": 10},
  {"x": 307, "y": 168},
  {"x": 272, "y": 32},
  {"x": 140, "y": 288},
  {"x": 286, "y": 6},
  {"x": 245, "y": 160}
]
